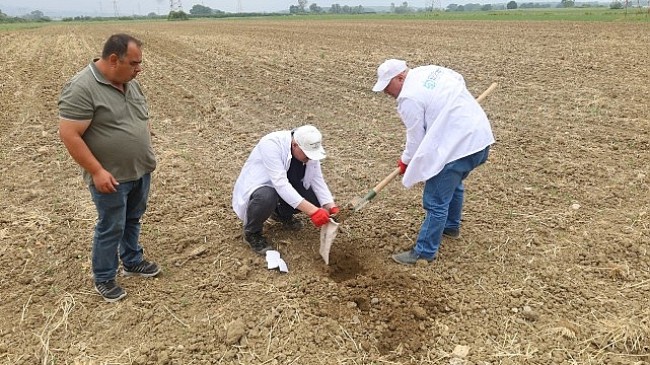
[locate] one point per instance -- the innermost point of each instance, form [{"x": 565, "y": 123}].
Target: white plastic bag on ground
[
  {"x": 274, "y": 261},
  {"x": 327, "y": 235}
]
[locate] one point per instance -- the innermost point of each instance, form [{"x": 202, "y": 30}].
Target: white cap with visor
[
  {"x": 310, "y": 141},
  {"x": 386, "y": 71}
]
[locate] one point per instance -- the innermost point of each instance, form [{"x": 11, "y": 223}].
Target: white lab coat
[
  {"x": 267, "y": 165},
  {"x": 443, "y": 122}
]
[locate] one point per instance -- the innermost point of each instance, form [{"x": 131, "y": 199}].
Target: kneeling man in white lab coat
[{"x": 282, "y": 177}]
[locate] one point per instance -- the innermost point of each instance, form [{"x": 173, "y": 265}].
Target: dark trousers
[{"x": 265, "y": 201}]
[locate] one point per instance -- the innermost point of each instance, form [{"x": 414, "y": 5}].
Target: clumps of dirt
[
  {"x": 343, "y": 266},
  {"x": 408, "y": 323},
  {"x": 400, "y": 330},
  {"x": 235, "y": 331},
  {"x": 393, "y": 305}
]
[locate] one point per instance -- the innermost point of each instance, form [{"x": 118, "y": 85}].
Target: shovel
[
  {"x": 328, "y": 231},
  {"x": 359, "y": 202}
]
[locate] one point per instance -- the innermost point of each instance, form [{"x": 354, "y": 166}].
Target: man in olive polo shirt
[{"x": 104, "y": 124}]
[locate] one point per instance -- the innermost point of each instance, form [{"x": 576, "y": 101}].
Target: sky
[{"x": 53, "y": 8}]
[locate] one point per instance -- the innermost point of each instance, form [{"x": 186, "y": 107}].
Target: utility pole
[
  {"x": 117, "y": 13},
  {"x": 175, "y": 5},
  {"x": 239, "y": 7}
]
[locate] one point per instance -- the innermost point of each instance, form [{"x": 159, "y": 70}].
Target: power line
[{"x": 175, "y": 5}]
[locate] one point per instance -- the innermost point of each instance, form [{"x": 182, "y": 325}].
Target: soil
[{"x": 552, "y": 267}]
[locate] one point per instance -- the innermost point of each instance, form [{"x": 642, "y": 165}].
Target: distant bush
[
  {"x": 616, "y": 5},
  {"x": 177, "y": 15},
  {"x": 534, "y": 5},
  {"x": 4, "y": 18}
]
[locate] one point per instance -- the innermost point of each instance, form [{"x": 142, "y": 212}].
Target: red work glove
[
  {"x": 321, "y": 217},
  {"x": 334, "y": 210},
  {"x": 402, "y": 167}
]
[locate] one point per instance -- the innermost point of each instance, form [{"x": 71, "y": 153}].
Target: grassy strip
[
  {"x": 545, "y": 14},
  {"x": 16, "y": 26}
]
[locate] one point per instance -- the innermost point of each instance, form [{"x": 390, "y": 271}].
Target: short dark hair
[{"x": 118, "y": 44}]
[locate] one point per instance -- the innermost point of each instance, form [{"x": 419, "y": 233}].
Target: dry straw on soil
[{"x": 552, "y": 266}]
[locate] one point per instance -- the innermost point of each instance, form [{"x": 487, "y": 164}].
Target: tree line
[
  {"x": 34, "y": 16},
  {"x": 314, "y": 8},
  {"x": 302, "y": 8}
]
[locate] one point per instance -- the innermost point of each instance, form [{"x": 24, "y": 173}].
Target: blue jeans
[
  {"x": 443, "y": 202},
  {"x": 118, "y": 227}
]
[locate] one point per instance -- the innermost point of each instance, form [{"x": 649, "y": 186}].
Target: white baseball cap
[
  {"x": 386, "y": 71},
  {"x": 310, "y": 141}
]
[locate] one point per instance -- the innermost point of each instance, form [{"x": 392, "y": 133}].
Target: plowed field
[{"x": 553, "y": 266}]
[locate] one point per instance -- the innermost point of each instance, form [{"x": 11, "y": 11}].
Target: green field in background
[
  {"x": 14, "y": 26},
  {"x": 546, "y": 14}
]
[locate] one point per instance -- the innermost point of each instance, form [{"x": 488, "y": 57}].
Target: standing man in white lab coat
[{"x": 447, "y": 136}]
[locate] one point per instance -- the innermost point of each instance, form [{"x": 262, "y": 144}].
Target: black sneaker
[
  {"x": 110, "y": 291},
  {"x": 144, "y": 268},
  {"x": 290, "y": 224},
  {"x": 258, "y": 242},
  {"x": 453, "y": 233}
]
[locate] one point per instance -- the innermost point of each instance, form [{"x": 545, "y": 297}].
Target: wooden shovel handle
[
  {"x": 386, "y": 180},
  {"x": 486, "y": 92}
]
